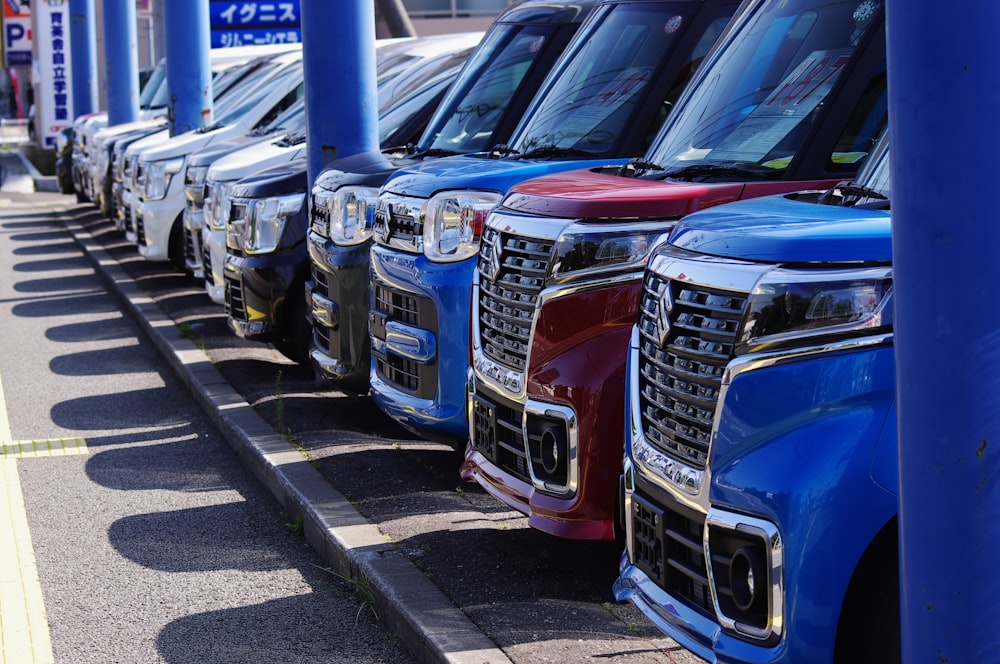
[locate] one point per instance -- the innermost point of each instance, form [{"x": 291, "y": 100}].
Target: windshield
[
  {"x": 226, "y": 99},
  {"x": 755, "y": 103},
  {"x": 600, "y": 84},
  {"x": 152, "y": 86},
  {"x": 243, "y": 103},
  {"x": 466, "y": 120},
  {"x": 291, "y": 119},
  {"x": 420, "y": 75}
]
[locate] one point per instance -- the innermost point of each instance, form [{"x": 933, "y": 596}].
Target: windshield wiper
[
  {"x": 547, "y": 151},
  {"x": 211, "y": 127},
  {"x": 437, "y": 152},
  {"x": 717, "y": 171},
  {"x": 291, "y": 139},
  {"x": 638, "y": 166},
  {"x": 839, "y": 194}
]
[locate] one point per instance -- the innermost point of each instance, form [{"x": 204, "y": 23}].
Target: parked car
[
  {"x": 227, "y": 71},
  {"x": 762, "y": 499},
  {"x": 265, "y": 259},
  {"x": 480, "y": 111},
  {"x": 158, "y": 199},
  {"x": 792, "y": 97},
  {"x": 601, "y": 104},
  {"x": 432, "y": 63}
]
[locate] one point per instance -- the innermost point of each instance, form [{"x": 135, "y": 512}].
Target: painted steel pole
[
  {"x": 338, "y": 46},
  {"x": 189, "y": 74},
  {"x": 121, "y": 61},
  {"x": 944, "y": 103},
  {"x": 83, "y": 50}
]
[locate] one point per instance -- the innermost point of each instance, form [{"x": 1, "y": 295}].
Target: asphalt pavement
[{"x": 456, "y": 575}]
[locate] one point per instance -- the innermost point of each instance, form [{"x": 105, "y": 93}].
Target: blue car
[{"x": 766, "y": 330}]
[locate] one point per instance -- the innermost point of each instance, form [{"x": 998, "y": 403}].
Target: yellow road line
[{"x": 24, "y": 629}]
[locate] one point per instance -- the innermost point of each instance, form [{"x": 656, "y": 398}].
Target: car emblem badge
[{"x": 663, "y": 315}]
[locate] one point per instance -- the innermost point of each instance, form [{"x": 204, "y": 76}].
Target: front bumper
[
  {"x": 255, "y": 292},
  {"x": 337, "y": 297},
  {"x": 213, "y": 256},
  {"x": 420, "y": 342},
  {"x": 194, "y": 221},
  {"x": 153, "y": 222},
  {"x": 510, "y": 456}
]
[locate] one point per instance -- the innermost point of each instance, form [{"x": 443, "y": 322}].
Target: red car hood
[{"x": 595, "y": 194}]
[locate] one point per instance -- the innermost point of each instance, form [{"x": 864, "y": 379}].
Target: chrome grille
[
  {"x": 512, "y": 272},
  {"x": 234, "y": 301},
  {"x": 319, "y": 214},
  {"x": 687, "y": 337}
]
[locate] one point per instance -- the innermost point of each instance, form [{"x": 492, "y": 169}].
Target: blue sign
[
  {"x": 227, "y": 38},
  {"x": 229, "y": 14},
  {"x": 247, "y": 23}
]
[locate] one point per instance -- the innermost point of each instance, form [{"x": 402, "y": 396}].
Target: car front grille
[
  {"x": 235, "y": 302},
  {"x": 512, "y": 272},
  {"x": 687, "y": 337}
]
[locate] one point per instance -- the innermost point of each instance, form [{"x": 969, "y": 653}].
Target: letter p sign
[{"x": 17, "y": 41}]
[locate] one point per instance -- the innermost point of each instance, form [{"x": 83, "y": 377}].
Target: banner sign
[
  {"x": 54, "y": 101},
  {"x": 16, "y": 33},
  {"x": 247, "y": 23}
]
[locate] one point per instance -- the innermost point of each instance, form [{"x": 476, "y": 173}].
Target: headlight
[
  {"x": 352, "y": 214},
  {"x": 786, "y": 307},
  {"x": 266, "y": 222},
  {"x": 157, "y": 176},
  {"x": 217, "y": 205},
  {"x": 582, "y": 252},
  {"x": 453, "y": 222},
  {"x": 194, "y": 186}
]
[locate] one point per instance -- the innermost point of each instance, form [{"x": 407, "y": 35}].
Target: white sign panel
[{"x": 54, "y": 97}]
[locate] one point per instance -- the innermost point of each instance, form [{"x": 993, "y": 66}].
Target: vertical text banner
[
  {"x": 53, "y": 100},
  {"x": 16, "y": 33},
  {"x": 254, "y": 22}
]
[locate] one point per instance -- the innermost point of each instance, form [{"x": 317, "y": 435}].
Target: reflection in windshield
[
  {"x": 610, "y": 75},
  {"x": 756, "y": 102},
  {"x": 465, "y": 123}
]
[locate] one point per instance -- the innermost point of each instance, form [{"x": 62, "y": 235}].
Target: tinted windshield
[
  {"x": 600, "y": 84},
  {"x": 755, "y": 103},
  {"x": 465, "y": 122},
  {"x": 292, "y": 119},
  {"x": 244, "y": 102},
  {"x": 225, "y": 100},
  {"x": 152, "y": 86}
]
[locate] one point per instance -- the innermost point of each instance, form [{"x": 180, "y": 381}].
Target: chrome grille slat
[
  {"x": 509, "y": 285},
  {"x": 688, "y": 334}
]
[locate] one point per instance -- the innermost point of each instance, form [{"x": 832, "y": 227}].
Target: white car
[{"x": 159, "y": 196}]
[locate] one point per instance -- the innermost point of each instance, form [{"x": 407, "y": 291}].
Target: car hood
[
  {"x": 603, "y": 194},
  {"x": 369, "y": 169},
  {"x": 184, "y": 144},
  {"x": 208, "y": 155},
  {"x": 290, "y": 178},
  {"x": 426, "y": 178},
  {"x": 788, "y": 229},
  {"x": 253, "y": 158}
]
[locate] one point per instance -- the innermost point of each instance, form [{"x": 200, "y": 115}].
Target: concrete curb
[{"x": 416, "y": 610}]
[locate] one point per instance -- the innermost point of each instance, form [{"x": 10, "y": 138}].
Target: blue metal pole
[
  {"x": 121, "y": 61},
  {"x": 83, "y": 50},
  {"x": 338, "y": 42},
  {"x": 189, "y": 74},
  {"x": 944, "y": 103}
]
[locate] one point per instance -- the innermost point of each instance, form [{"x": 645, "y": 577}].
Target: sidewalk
[{"x": 476, "y": 559}]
